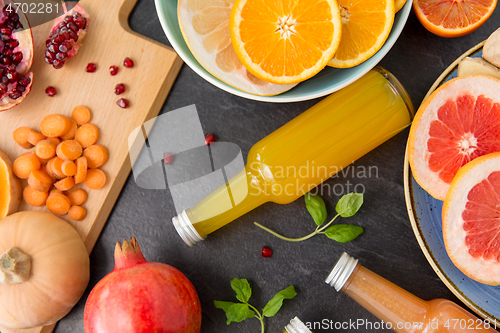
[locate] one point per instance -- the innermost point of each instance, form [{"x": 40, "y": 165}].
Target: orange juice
[
  {"x": 306, "y": 151},
  {"x": 400, "y": 310}
]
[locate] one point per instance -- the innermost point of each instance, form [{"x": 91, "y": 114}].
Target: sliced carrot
[
  {"x": 81, "y": 170},
  {"x": 45, "y": 149},
  {"x": 58, "y": 203},
  {"x": 96, "y": 179},
  {"x": 69, "y": 150},
  {"x": 34, "y": 137},
  {"x": 71, "y": 133},
  {"x": 55, "y": 141},
  {"x": 55, "y": 191},
  {"x": 87, "y": 135},
  {"x": 55, "y": 166},
  {"x": 68, "y": 168},
  {"x": 48, "y": 172},
  {"x": 77, "y": 197},
  {"x": 81, "y": 114},
  {"x": 39, "y": 180},
  {"x": 97, "y": 156},
  {"x": 34, "y": 198},
  {"x": 55, "y": 125},
  {"x": 25, "y": 164},
  {"x": 21, "y": 137},
  {"x": 65, "y": 184},
  {"x": 77, "y": 213}
]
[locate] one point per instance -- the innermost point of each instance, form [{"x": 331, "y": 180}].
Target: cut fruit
[
  {"x": 285, "y": 42},
  {"x": 398, "y": 4},
  {"x": 459, "y": 122},
  {"x": 471, "y": 220},
  {"x": 366, "y": 24},
  {"x": 205, "y": 28},
  {"x": 451, "y": 18},
  {"x": 10, "y": 188},
  {"x": 469, "y": 66}
]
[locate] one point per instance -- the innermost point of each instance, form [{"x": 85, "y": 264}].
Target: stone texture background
[{"x": 387, "y": 247}]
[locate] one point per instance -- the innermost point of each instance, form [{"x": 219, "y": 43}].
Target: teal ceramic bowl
[{"x": 324, "y": 83}]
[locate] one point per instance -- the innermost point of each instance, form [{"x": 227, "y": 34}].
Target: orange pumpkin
[{"x": 44, "y": 269}]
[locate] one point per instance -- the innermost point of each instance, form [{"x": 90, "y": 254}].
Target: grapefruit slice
[
  {"x": 205, "y": 28},
  {"x": 284, "y": 41},
  {"x": 471, "y": 220},
  {"x": 459, "y": 122},
  {"x": 452, "y": 18},
  {"x": 10, "y": 188}
]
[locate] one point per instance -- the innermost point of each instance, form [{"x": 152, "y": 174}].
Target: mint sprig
[
  {"x": 237, "y": 312},
  {"x": 347, "y": 206}
]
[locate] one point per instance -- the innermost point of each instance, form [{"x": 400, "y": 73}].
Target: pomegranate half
[
  {"x": 142, "y": 297},
  {"x": 16, "y": 56}
]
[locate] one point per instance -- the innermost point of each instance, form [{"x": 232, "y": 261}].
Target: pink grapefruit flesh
[
  {"x": 471, "y": 219},
  {"x": 458, "y": 123}
]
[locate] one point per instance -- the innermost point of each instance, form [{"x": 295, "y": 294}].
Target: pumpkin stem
[
  {"x": 15, "y": 267},
  {"x": 129, "y": 254}
]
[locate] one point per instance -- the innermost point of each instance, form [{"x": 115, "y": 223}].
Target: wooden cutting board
[{"x": 108, "y": 42}]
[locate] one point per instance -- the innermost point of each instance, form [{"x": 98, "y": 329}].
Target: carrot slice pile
[{"x": 65, "y": 155}]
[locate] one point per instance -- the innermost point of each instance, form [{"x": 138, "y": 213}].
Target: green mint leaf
[
  {"x": 343, "y": 233},
  {"x": 274, "y": 305},
  {"x": 316, "y": 207},
  {"x": 349, "y": 204},
  {"x": 238, "y": 312},
  {"x": 223, "y": 305},
  {"x": 242, "y": 289}
]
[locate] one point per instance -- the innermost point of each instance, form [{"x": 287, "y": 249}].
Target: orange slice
[
  {"x": 458, "y": 123},
  {"x": 10, "y": 188},
  {"x": 471, "y": 220},
  {"x": 452, "y": 18},
  {"x": 205, "y": 28},
  {"x": 366, "y": 24},
  {"x": 285, "y": 41}
]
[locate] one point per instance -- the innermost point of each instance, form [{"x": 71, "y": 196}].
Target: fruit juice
[
  {"x": 399, "y": 309},
  {"x": 306, "y": 151}
]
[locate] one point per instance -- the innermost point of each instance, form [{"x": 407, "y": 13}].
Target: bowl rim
[{"x": 282, "y": 98}]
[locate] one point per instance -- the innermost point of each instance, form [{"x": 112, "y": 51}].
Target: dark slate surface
[{"x": 387, "y": 247}]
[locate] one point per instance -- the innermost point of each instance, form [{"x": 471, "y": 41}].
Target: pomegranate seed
[
  {"x": 128, "y": 62},
  {"x": 168, "y": 158},
  {"x": 91, "y": 68},
  {"x": 119, "y": 89},
  {"x": 51, "y": 91},
  {"x": 113, "y": 70},
  {"x": 123, "y": 103},
  {"x": 266, "y": 252},
  {"x": 209, "y": 138}
]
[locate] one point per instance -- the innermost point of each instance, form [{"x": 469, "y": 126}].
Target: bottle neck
[
  {"x": 296, "y": 326},
  {"x": 382, "y": 298}
]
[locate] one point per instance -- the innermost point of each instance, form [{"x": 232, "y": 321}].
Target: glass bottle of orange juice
[
  {"x": 401, "y": 311},
  {"x": 303, "y": 153}
]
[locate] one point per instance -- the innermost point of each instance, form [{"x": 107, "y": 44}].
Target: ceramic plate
[{"x": 425, "y": 217}]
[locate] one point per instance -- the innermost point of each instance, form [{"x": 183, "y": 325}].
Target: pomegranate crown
[{"x": 128, "y": 254}]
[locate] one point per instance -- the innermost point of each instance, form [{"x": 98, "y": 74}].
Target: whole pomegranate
[
  {"x": 142, "y": 297},
  {"x": 16, "y": 56}
]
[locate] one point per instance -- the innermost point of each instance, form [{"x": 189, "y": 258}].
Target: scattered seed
[
  {"x": 91, "y": 68},
  {"x": 168, "y": 158},
  {"x": 209, "y": 138},
  {"x": 119, "y": 89},
  {"x": 128, "y": 62},
  {"x": 266, "y": 252},
  {"x": 51, "y": 91},
  {"x": 123, "y": 103},
  {"x": 113, "y": 70}
]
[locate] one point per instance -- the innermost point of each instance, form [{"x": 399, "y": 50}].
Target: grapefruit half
[
  {"x": 471, "y": 220},
  {"x": 459, "y": 122},
  {"x": 205, "y": 27}
]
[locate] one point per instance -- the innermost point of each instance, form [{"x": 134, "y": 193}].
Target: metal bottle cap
[
  {"x": 296, "y": 326},
  {"x": 186, "y": 230},
  {"x": 342, "y": 271}
]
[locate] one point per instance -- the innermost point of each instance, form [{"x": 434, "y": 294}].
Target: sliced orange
[
  {"x": 471, "y": 220},
  {"x": 10, "y": 188},
  {"x": 366, "y": 24},
  {"x": 453, "y": 18},
  {"x": 398, "y": 4},
  {"x": 285, "y": 41},
  {"x": 205, "y": 28}
]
